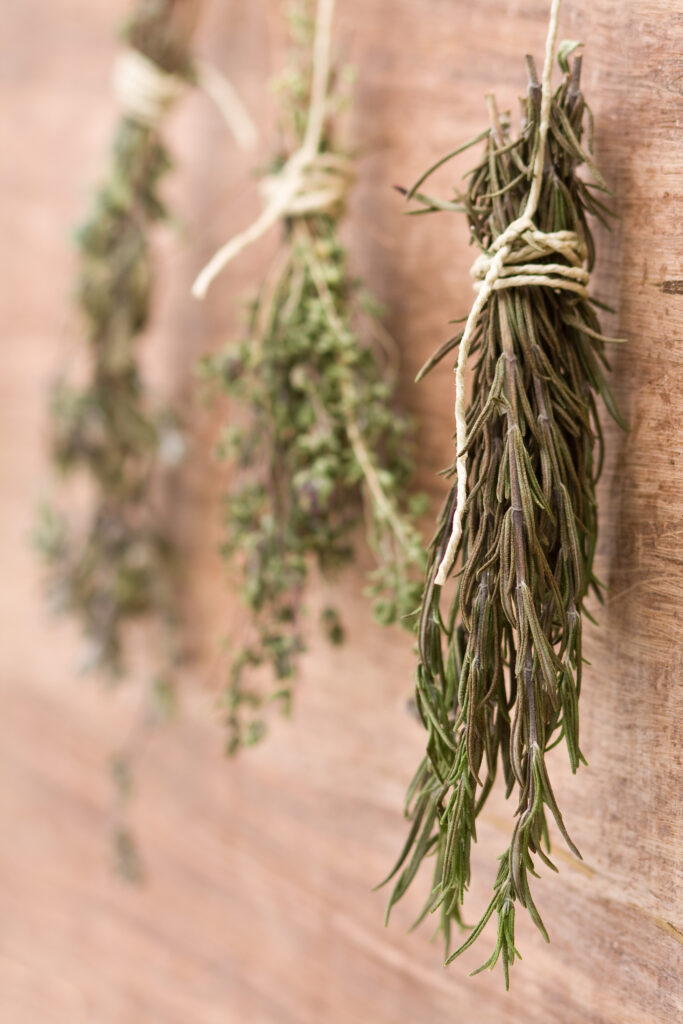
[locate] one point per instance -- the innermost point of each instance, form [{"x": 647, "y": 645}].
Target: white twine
[
  {"x": 224, "y": 95},
  {"x": 322, "y": 186},
  {"x": 310, "y": 181},
  {"x": 506, "y": 265},
  {"x": 146, "y": 93},
  {"x": 533, "y": 244}
]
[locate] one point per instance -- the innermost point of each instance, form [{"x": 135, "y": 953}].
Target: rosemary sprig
[
  {"x": 322, "y": 441},
  {"x": 500, "y": 665}
]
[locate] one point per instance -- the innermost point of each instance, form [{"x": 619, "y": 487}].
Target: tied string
[
  {"x": 318, "y": 186},
  {"x": 310, "y": 182},
  {"x": 147, "y": 93},
  {"x": 304, "y": 186},
  {"x": 528, "y": 243},
  {"x": 506, "y": 265}
]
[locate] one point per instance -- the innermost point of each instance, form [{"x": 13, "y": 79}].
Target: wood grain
[{"x": 258, "y": 905}]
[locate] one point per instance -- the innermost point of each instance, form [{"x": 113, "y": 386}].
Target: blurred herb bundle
[
  {"x": 321, "y": 447},
  {"x": 118, "y": 567},
  {"x": 500, "y": 664}
]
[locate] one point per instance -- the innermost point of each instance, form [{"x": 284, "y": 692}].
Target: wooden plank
[{"x": 258, "y": 903}]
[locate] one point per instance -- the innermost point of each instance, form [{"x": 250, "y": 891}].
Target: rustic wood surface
[{"x": 257, "y": 906}]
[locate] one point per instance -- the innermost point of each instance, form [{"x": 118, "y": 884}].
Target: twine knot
[
  {"x": 146, "y": 93},
  {"x": 312, "y": 180},
  {"x": 514, "y": 260},
  {"x": 144, "y": 90},
  {"x": 316, "y": 185}
]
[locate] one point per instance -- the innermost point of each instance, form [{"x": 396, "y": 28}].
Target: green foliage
[
  {"x": 119, "y": 567},
  {"x": 317, "y": 449},
  {"x": 320, "y": 436},
  {"x": 500, "y": 666}
]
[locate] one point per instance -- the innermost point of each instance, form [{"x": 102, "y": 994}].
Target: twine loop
[
  {"x": 144, "y": 90},
  {"x": 318, "y": 185},
  {"x": 312, "y": 181},
  {"x": 513, "y": 261},
  {"x": 147, "y": 93}
]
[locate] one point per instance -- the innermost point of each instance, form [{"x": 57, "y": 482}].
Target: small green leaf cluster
[
  {"x": 320, "y": 450},
  {"x": 500, "y": 666},
  {"x": 317, "y": 447}
]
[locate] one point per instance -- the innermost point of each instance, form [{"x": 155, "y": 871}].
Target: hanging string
[
  {"x": 146, "y": 93},
  {"x": 224, "y": 95},
  {"x": 506, "y": 265},
  {"x": 310, "y": 181}
]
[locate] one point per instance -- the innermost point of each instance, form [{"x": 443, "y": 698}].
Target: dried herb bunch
[
  {"x": 322, "y": 445},
  {"x": 119, "y": 569},
  {"x": 118, "y": 566},
  {"x": 500, "y": 663}
]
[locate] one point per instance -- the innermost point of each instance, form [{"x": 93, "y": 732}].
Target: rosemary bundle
[
  {"x": 500, "y": 662},
  {"x": 322, "y": 443}
]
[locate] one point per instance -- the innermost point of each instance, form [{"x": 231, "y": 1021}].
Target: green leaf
[{"x": 564, "y": 51}]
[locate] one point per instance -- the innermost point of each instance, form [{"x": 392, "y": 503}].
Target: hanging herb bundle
[
  {"x": 322, "y": 445},
  {"x": 119, "y": 567},
  {"x": 500, "y": 665},
  {"x": 119, "y": 570}
]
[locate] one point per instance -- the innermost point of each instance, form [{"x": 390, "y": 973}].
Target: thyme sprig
[
  {"x": 500, "y": 663},
  {"x": 322, "y": 443}
]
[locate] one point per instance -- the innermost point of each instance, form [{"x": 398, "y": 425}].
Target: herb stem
[{"x": 383, "y": 503}]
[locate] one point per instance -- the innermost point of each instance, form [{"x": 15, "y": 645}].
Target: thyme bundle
[
  {"x": 500, "y": 663},
  {"x": 119, "y": 567},
  {"x": 322, "y": 441},
  {"x": 120, "y": 570}
]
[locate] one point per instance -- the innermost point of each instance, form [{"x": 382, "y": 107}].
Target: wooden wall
[{"x": 258, "y": 906}]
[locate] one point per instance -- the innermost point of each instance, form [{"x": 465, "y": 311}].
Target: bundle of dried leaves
[
  {"x": 322, "y": 447},
  {"x": 500, "y": 663},
  {"x": 118, "y": 567}
]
